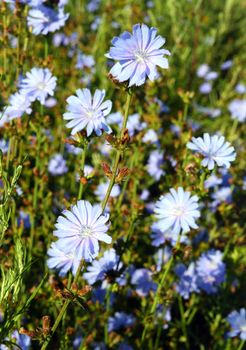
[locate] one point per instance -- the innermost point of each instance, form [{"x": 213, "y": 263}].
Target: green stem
[
  {"x": 106, "y": 338},
  {"x": 62, "y": 312},
  {"x": 118, "y": 154},
  {"x": 159, "y": 288},
  {"x": 82, "y": 166},
  {"x": 241, "y": 345},
  {"x": 183, "y": 322}
]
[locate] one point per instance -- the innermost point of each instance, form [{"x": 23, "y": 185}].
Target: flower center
[
  {"x": 41, "y": 85},
  {"x": 141, "y": 56},
  {"x": 86, "y": 231},
  {"x": 179, "y": 211}
]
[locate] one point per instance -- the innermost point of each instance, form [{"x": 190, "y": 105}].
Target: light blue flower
[
  {"x": 57, "y": 165},
  {"x": 187, "y": 283},
  {"x": 80, "y": 229},
  {"x": 38, "y": 84},
  {"x": 141, "y": 278},
  {"x": 138, "y": 54},
  {"x": 102, "y": 188},
  {"x": 238, "y": 109},
  {"x": 177, "y": 211},
  {"x": 205, "y": 88},
  {"x": 214, "y": 149},
  {"x": 62, "y": 261},
  {"x": 43, "y": 20},
  {"x": 19, "y": 104},
  {"x": 210, "y": 271},
  {"x": 87, "y": 111},
  {"x": 202, "y": 70},
  {"x": 160, "y": 237},
  {"x": 4, "y": 145},
  {"x": 237, "y": 320},
  {"x": 84, "y": 61},
  {"x": 155, "y": 163},
  {"x": 120, "y": 320},
  {"x": 99, "y": 269}
]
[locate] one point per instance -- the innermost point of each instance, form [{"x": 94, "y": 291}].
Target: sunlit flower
[
  {"x": 138, "y": 54},
  {"x": 80, "y": 229},
  {"x": 62, "y": 261},
  {"x": 87, "y": 111},
  {"x": 38, "y": 84},
  {"x": 187, "y": 280},
  {"x": 177, "y": 211},
  {"x": 57, "y": 165},
  {"x": 214, "y": 149}
]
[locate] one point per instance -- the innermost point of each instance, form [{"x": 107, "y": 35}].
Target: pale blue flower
[
  {"x": 62, "y": 261},
  {"x": 154, "y": 165},
  {"x": 23, "y": 340},
  {"x": 4, "y": 145},
  {"x": 238, "y": 109},
  {"x": 80, "y": 229},
  {"x": 43, "y": 20},
  {"x": 84, "y": 61},
  {"x": 210, "y": 271},
  {"x": 187, "y": 280},
  {"x": 19, "y": 104},
  {"x": 102, "y": 188},
  {"x": 214, "y": 150},
  {"x": 160, "y": 237},
  {"x": 87, "y": 111},
  {"x": 226, "y": 65},
  {"x": 240, "y": 88},
  {"x": 237, "y": 320},
  {"x": 138, "y": 54},
  {"x": 177, "y": 211},
  {"x": 205, "y": 88},
  {"x": 120, "y": 320},
  {"x": 141, "y": 278},
  {"x": 99, "y": 269},
  {"x": 57, "y": 165},
  {"x": 38, "y": 84},
  {"x": 150, "y": 137},
  {"x": 212, "y": 181},
  {"x": 202, "y": 70}
]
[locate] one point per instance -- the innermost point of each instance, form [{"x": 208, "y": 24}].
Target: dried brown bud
[
  {"x": 46, "y": 325},
  {"x": 26, "y": 332},
  {"x": 190, "y": 168},
  {"x": 126, "y": 138},
  {"x": 123, "y": 172},
  {"x": 106, "y": 169},
  {"x": 85, "y": 290}
]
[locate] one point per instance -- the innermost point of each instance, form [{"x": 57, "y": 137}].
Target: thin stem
[
  {"x": 82, "y": 166},
  {"x": 241, "y": 345},
  {"x": 106, "y": 339},
  {"x": 160, "y": 286},
  {"x": 63, "y": 310},
  {"x": 118, "y": 154},
  {"x": 183, "y": 323}
]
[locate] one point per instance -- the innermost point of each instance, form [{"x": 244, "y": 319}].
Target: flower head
[
  {"x": 154, "y": 165},
  {"x": 177, "y": 211},
  {"x": 87, "y": 111},
  {"x": 143, "y": 281},
  {"x": 187, "y": 280},
  {"x": 57, "y": 165},
  {"x": 120, "y": 320},
  {"x": 99, "y": 268},
  {"x": 238, "y": 109},
  {"x": 43, "y": 20},
  {"x": 18, "y": 105},
  {"x": 62, "y": 261},
  {"x": 214, "y": 149},
  {"x": 138, "y": 54},
  {"x": 237, "y": 320},
  {"x": 38, "y": 84},
  {"x": 210, "y": 271},
  {"x": 80, "y": 230}
]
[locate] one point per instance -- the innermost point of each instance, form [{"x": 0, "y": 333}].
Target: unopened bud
[{"x": 106, "y": 169}]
